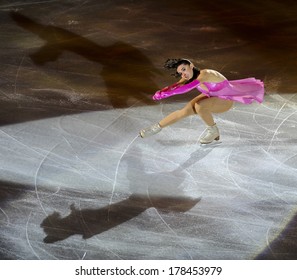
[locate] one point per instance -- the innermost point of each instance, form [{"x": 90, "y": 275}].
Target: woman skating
[{"x": 217, "y": 95}]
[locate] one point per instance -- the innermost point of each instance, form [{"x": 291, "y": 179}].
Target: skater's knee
[
  {"x": 201, "y": 107},
  {"x": 198, "y": 108},
  {"x": 188, "y": 110}
]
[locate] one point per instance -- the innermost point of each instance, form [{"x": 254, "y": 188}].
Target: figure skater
[{"x": 217, "y": 95}]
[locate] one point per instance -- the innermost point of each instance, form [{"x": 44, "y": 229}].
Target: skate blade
[{"x": 213, "y": 143}]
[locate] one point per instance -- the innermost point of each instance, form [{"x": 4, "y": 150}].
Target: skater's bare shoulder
[{"x": 209, "y": 75}]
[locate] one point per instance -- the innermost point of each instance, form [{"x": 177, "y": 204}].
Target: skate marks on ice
[
  {"x": 187, "y": 201},
  {"x": 148, "y": 191},
  {"x": 270, "y": 145},
  {"x": 166, "y": 190},
  {"x": 74, "y": 160},
  {"x": 247, "y": 184}
]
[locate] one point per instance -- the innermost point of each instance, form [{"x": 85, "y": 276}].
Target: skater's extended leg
[
  {"x": 172, "y": 118},
  {"x": 187, "y": 111},
  {"x": 177, "y": 116}
]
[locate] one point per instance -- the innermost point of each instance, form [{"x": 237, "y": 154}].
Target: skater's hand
[
  {"x": 165, "y": 92},
  {"x": 161, "y": 95},
  {"x": 175, "y": 89}
]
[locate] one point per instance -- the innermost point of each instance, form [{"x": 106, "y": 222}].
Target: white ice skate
[
  {"x": 149, "y": 131},
  {"x": 211, "y": 133}
]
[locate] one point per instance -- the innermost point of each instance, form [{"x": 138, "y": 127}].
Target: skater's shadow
[
  {"x": 161, "y": 190},
  {"x": 126, "y": 71},
  {"x": 90, "y": 222}
]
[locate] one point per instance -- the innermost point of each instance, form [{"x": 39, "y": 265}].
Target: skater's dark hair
[{"x": 173, "y": 63}]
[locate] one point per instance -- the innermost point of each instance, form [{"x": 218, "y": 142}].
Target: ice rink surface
[{"x": 75, "y": 88}]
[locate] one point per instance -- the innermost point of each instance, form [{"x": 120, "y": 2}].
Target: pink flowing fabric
[{"x": 245, "y": 90}]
